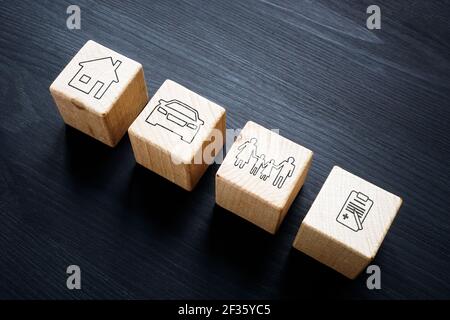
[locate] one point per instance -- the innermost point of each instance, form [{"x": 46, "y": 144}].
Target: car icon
[{"x": 176, "y": 117}]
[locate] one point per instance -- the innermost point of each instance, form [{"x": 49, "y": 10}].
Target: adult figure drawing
[
  {"x": 286, "y": 169},
  {"x": 247, "y": 150}
]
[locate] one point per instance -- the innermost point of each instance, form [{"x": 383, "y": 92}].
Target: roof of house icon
[
  {"x": 106, "y": 65},
  {"x": 96, "y": 76}
]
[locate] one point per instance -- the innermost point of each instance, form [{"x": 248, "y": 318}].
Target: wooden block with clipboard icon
[
  {"x": 355, "y": 210},
  {"x": 347, "y": 222}
]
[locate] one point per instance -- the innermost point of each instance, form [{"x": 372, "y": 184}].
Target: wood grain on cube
[
  {"x": 100, "y": 92},
  {"x": 178, "y": 134},
  {"x": 261, "y": 175},
  {"x": 347, "y": 222}
]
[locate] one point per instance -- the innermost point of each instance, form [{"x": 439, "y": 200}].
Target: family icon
[{"x": 247, "y": 152}]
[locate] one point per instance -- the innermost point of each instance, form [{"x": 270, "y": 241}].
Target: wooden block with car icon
[{"x": 178, "y": 134}]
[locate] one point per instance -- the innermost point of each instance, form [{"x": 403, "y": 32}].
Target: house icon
[{"x": 96, "y": 76}]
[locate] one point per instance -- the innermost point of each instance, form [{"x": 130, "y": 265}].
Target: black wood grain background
[{"x": 374, "y": 102}]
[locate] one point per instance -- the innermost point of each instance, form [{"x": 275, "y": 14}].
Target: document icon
[{"x": 355, "y": 210}]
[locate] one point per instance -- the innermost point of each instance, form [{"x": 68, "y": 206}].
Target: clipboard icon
[{"x": 355, "y": 210}]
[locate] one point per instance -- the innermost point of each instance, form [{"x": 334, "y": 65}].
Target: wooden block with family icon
[{"x": 261, "y": 175}]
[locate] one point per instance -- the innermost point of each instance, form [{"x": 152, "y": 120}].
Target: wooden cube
[
  {"x": 100, "y": 92},
  {"x": 178, "y": 134},
  {"x": 261, "y": 175},
  {"x": 347, "y": 222}
]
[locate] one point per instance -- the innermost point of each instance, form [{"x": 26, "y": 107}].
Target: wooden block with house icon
[
  {"x": 178, "y": 134},
  {"x": 261, "y": 175},
  {"x": 347, "y": 222},
  {"x": 100, "y": 92}
]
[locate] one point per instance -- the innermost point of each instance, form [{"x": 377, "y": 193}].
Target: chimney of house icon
[{"x": 116, "y": 64}]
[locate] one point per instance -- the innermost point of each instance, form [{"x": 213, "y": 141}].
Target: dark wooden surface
[{"x": 374, "y": 102}]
